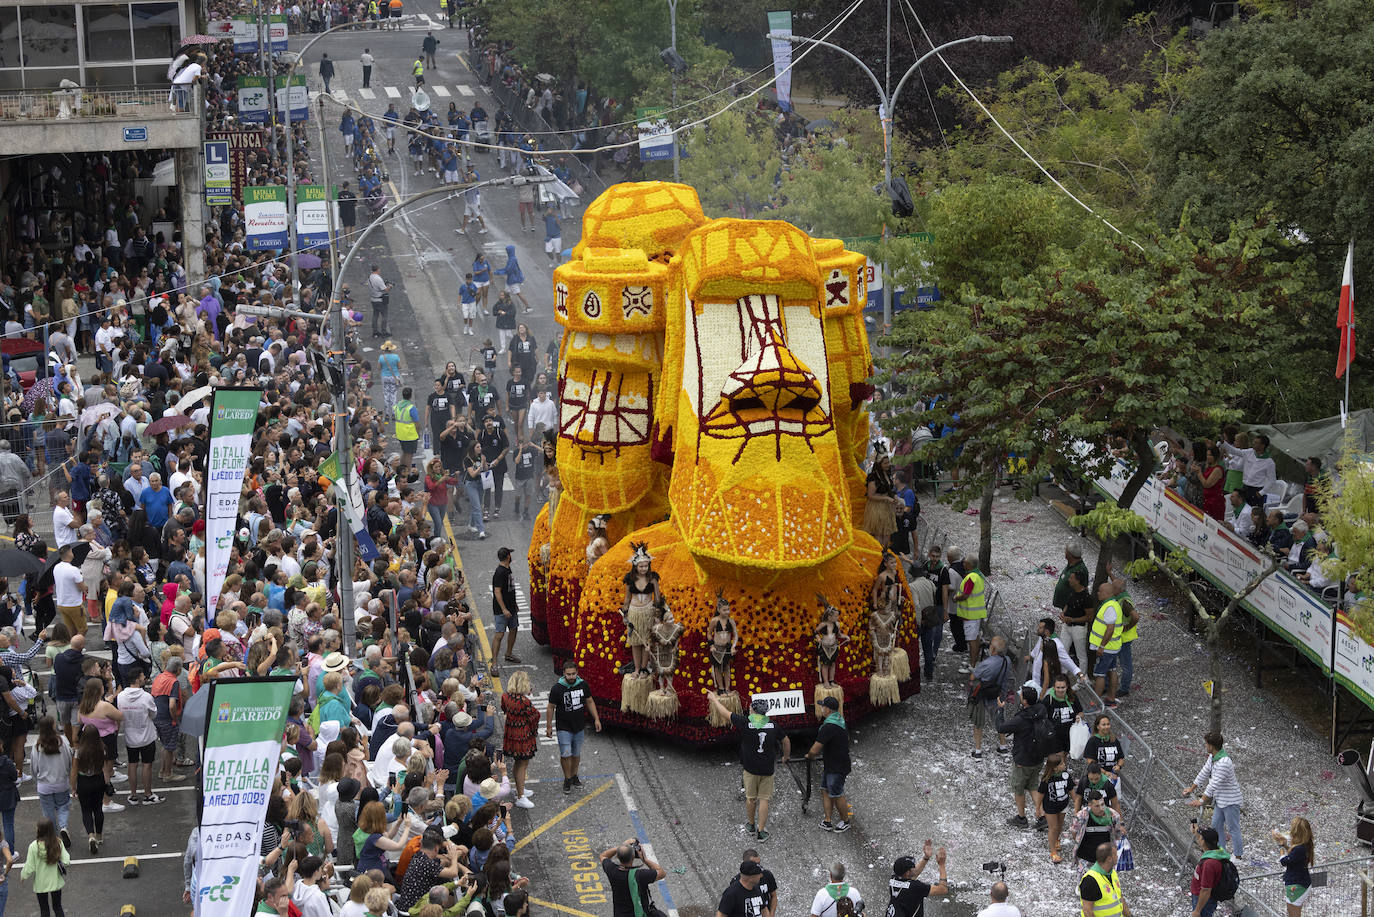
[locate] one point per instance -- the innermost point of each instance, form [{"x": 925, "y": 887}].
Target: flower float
[{"x": 712, "y": 380}]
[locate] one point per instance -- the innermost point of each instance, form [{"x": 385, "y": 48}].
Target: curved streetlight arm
[
  {"x": 802, "y": 39},
  {"x": 980, "y": 39}
]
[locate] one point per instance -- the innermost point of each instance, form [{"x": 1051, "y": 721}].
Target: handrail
[{"x": 59, "y": 103}]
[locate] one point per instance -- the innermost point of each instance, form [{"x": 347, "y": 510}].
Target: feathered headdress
[
  {"x": 601, "y": 521},
  {"x": 722, "y": 603},
  {"x": 641, "y": 552}
]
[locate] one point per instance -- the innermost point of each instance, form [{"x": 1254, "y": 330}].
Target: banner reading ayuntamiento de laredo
[
  {"x": 242, "y": 745},
  {"x": 232, "y": 415}
]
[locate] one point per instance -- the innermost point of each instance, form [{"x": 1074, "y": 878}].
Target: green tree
[
  {"x": 1346, "y": 513},
  {"x": 1110, "y": 522},
  {"x": 1092, "y": 347},
  {"x": 733, "y": 163}
]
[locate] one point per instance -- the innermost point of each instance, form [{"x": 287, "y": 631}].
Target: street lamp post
[
  {"x": 672, "y": 38},
  {"x": 340, "y": 382},
  {"x": 888, "y": 104}
]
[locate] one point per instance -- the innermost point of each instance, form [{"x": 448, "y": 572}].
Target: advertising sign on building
[
  {"x": 219, "y": 179},
  {"x": 240, "y": 142},
  {"x": 655, "y": 135},
  {"x": 276, "y": 31},
  {"x": 245, "y": 35}
]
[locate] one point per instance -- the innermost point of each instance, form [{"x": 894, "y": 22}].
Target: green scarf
[
  {"x": 1104, "y": 819},
  {"x": 1219, "y": 755},
  {"x": 1217, "y": 854},
  {"x": 837, "y": 890},
  {"x": 1054, "y": 693},
  {"x": 758, "y": 720},
  {"x": 836, "y": 719}
]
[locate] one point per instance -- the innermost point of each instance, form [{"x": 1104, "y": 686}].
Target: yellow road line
[
  {"x": 561, "y": 907},
  {"x": 564, "y": 814},
  {"x": 477, "y": 622},
  {"x": 469, "y": 70}
]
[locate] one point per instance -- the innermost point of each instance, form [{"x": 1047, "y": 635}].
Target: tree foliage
[
  {"x": 733, "y": 163},
  {"x": 1347, "y": 511},
  {"x": 1109, "y": 522},
  {"x": 1085, "y": 344}
]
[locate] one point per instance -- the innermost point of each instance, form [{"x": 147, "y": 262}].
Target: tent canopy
[{"x": 1294, "y": 442}]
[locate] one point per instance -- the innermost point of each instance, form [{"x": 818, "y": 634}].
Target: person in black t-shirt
[
  {"x": 832, "y": 746},
  {"x": 570, "y": 700},
  {"x": 743, "y": 898},
  {"x": 768, "y": 885},
  {"x": 440, "y": 411},
  {"x": 619, "y": 865},
  {"x": 504, "y": 611},
  {"x": 348, "y": 211},
  {"x": 759, "y": 742},
  {"x": 906, "y": 893}
]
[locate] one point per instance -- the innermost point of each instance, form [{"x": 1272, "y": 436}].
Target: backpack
[
  {"x": 411, "y": 848},
  {"x": 844, "y": 905},
  {"x": 1043, "y": 740},
  {"x": 1229, "y": 883}
]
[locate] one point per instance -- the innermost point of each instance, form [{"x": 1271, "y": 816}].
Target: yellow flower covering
[{"x": 712, "y": 383}]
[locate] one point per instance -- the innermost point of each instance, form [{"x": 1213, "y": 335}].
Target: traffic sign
[{"x": 219, "y": 178}]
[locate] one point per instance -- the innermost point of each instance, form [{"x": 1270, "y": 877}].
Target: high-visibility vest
[
  {"x": 1129, "y": 631},
  {"x": 1100, "y": 628},
  {"x": 405, "y": 427},
  {"x": 372, "y": 7},
  {"x": 443, "y": 6},
  {"x": 419, "y": 68},
  {"x": 975, "y": 607},
  {"x": 1109, "y": 887}
]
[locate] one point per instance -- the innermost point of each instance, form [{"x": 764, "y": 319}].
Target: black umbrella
[{"x": 14, "y": 562}]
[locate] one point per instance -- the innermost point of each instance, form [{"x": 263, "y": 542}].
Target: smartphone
[{"x": 500, "y": 755}]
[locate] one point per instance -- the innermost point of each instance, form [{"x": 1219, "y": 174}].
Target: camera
[{"x": 294, "y": 826}]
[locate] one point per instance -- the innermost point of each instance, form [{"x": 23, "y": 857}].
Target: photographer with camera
[
  {"x": 630, "y": 883},
  {"x": 906, "y": 892}
]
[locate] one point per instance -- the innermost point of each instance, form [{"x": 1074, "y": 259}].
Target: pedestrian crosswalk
[
  {"x": 541, "y": 703},
  {"x": 398, "y": 92}
]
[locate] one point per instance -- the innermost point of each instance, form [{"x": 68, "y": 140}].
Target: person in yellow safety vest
[
  {"x": 372, "y": 12},
  {"x": 419, "y": 70},
  {"x": 407, "y": 418},
  {"x": 1105, "y": 640},
  {"x": 971, "y": 605},
  {"x": 1099, "y": 891},
  {"x": 1129, "y": 634}
]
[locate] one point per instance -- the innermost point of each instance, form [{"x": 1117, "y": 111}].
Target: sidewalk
[{"x": 1282, "y": 763}]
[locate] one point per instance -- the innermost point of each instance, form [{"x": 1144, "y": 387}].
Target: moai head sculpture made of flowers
[{"x": 712, "y": 382}]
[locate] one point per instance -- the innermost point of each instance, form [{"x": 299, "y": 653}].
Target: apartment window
[
  {"x": 48, "y": 35},
  {"x": 157, "y": 30},
  {"x": 108, "y": 33}
]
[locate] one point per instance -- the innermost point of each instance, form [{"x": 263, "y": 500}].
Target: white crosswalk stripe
[
  {"x": 392, "y": 92},
  {"x": 338, "y": 94},
  {"x": 541, "y": 703},
  {"x": 466, "y": 90},
  {"x": 442, "y": 92},
  {"x": 366, "y": 94}
]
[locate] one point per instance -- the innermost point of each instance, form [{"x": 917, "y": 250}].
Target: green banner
[
  {"x": 233, "y": 414},
  {"x": 243, "y": 733}
]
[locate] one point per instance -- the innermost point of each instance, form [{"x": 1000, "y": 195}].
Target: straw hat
[{"x": 389, "y": 347}]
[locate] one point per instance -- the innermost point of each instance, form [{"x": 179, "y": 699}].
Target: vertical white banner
[
  {"x": 233, "y": 413},
  {"x": 781, "y": 23},
  {"x": 243, "y": 730}
]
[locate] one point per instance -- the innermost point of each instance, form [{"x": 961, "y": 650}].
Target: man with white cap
[{"x": 759, "y": 742}]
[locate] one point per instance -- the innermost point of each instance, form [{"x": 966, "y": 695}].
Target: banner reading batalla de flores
[
  {"x": 264, "y": 217},
  {"x": 233, "y": 412},
  {"x": 242, "y": 746}
]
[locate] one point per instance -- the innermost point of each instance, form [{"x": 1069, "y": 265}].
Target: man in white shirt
[
  {"x": 134, "y": 481},
  {"x": 181, "y": 83},
  {"x": 140, "y": 735},
  {"x": 69, "y": 591},
  {"x": 64, "y": 522},
  {"x": 827, "y": 900},
  {"x": 1045, "y": 631},
  {"x": 1237, "y": 515},
  {"x": 999, "y": 906},
  {"x": 542, "y": 412}
]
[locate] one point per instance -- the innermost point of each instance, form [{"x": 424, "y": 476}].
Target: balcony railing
[{"x": 90, "y": 102}]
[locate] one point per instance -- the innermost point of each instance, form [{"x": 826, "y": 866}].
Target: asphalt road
[{"x": 682, "y": 804}]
